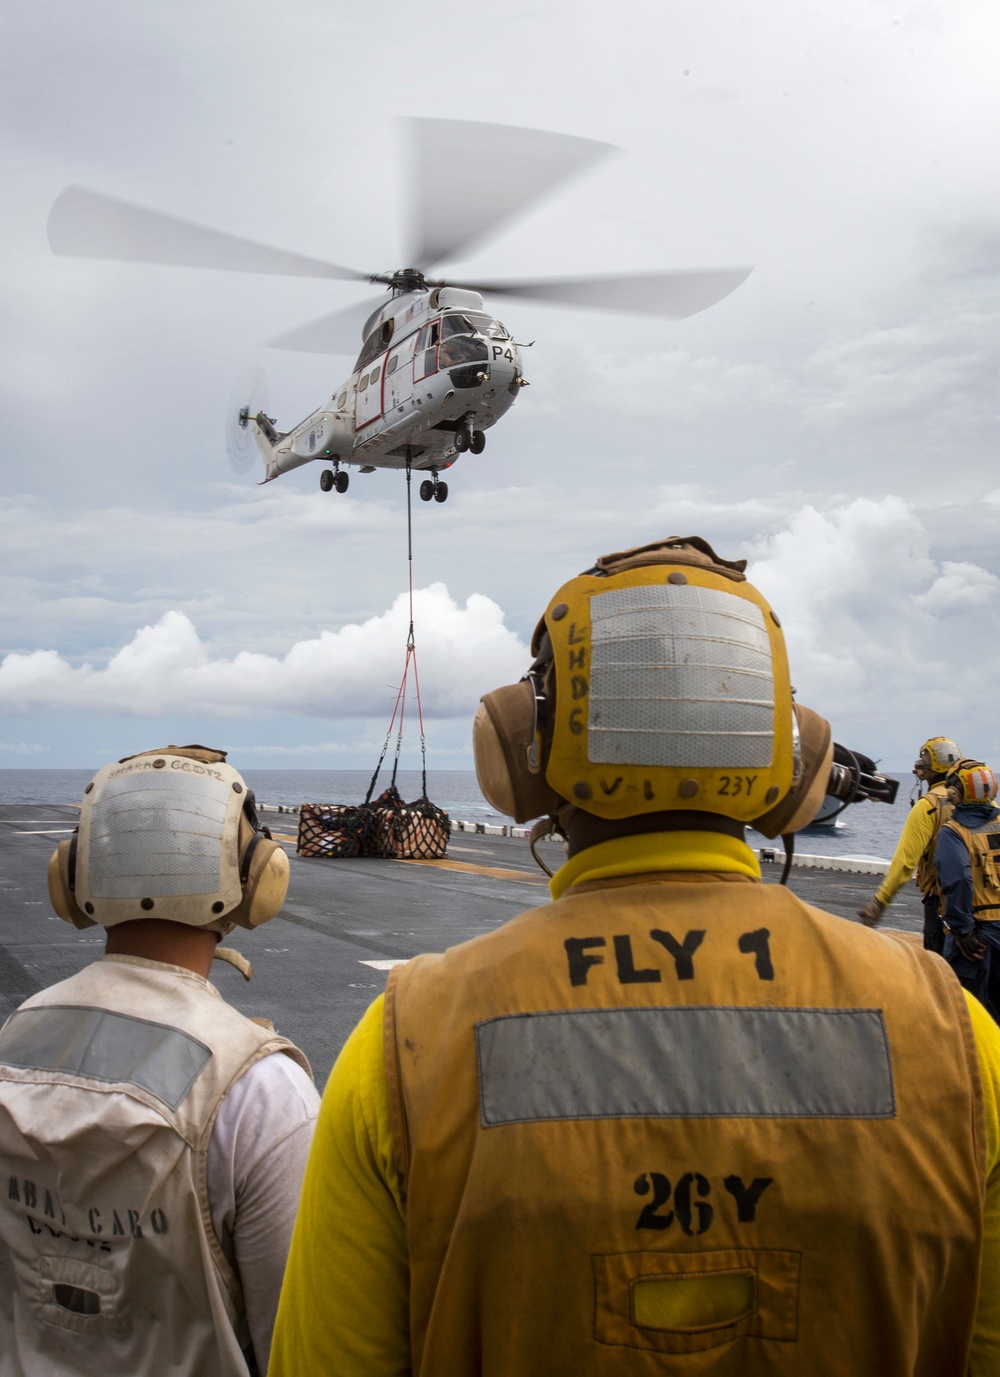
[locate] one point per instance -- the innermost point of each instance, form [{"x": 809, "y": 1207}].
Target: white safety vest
[{"x": 109, "y": 1263}]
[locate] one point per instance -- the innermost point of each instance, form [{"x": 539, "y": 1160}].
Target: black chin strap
[
  {"x": 788, "y": 842},
  {"x": 544, "y": 827}
]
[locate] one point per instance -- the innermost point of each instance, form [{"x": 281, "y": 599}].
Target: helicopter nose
[
  {"x": 504, "y": 367},
  {"x": 501, "y": 379}
]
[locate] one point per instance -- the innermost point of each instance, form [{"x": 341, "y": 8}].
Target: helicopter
[{"x": 436, "y": 368}]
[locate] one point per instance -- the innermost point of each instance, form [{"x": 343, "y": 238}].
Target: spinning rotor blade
[
  {"x": 88, "y": 225},
  {"x": 469, "y": 178},
  {"x": 337, "y": 333},
  {"x": 671, "y": 294},
  {"x": 249, "y": 393}
]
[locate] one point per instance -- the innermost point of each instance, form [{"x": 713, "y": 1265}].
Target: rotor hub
[{"x": 404, "y": 280}]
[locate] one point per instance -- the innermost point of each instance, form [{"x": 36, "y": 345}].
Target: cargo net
[{"x": 417, "y": 831}]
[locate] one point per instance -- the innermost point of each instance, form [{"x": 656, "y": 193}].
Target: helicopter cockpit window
[
  {"x": 457, "y": 325},
  {"x": 462, "y": 349},
  {"x": 372, "y": 347},
  {"x": 489, "y": 327}
]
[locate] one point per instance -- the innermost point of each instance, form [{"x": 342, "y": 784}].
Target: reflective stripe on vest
[
  {"x": 685, "y": 1063},
  {"x": 104, "y": 1046}
]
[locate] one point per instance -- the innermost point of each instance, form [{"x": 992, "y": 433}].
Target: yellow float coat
[
  {"x": 526, "y": 1246},
  {"x": 915, "y": 848}
]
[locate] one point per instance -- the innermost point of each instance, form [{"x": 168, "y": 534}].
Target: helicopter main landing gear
[
  {"x": 334, "y": 479},
  {"x": 437, "y": 489},
  {"x": 468, "y": 439}
]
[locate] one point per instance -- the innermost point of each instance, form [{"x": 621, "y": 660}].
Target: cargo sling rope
[
  {"x": 411, "y": 657},
  {"x": 388, "y": 826}
]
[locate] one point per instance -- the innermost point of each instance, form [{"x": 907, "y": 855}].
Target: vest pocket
[
  {"x": 705, "y": 1300},
  {"x": 70, "y": 1294},
  {"x": 689, "y": 1302}
]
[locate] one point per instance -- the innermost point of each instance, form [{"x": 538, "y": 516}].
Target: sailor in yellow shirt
[
  {"x": 915, "y": 848},
  {"x": 676, "y": 1120}
]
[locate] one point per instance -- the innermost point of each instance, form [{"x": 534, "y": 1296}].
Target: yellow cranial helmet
[
  {"x": 937, "y": 756},
  {"x": 660, "y": 683},
  {"x": 974, "y": 782},
  {"x": 169, "y": 834}
]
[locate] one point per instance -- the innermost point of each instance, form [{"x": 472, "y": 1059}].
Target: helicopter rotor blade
[
  {"x": 87, "y": 224},
  {"x": 674, "y": 295},
  {"x": 336, "y": 333},
  {"x": 470, "y": 178}
]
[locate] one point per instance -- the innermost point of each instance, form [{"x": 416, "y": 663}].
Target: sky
[{"x": 833, "y": 420}]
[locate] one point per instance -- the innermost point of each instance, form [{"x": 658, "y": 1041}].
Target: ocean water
[
  {"x": 868, "y": 830},
  {"x": 454, "y": 790}
]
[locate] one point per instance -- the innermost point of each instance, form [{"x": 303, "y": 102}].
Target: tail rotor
[{"x": 244, "y": 441}]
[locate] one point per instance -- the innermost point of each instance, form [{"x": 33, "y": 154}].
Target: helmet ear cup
[
  {"x": 264, "y": 872},
  {"x": 62, "y": 864},
  {"x": 503, "y": 743},
  {"x": 805, "y": 798}
]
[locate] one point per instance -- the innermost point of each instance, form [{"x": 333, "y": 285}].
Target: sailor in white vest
[{"x": 152, "y": 1139}]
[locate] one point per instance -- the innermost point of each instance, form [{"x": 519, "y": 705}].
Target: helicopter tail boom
[
  {"x": 278, "y": 462},
  {"x": 324, "y": 435}
]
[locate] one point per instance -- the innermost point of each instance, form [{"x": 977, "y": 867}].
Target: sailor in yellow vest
[
  {"x": 152, "y": 1139},
  {"x": 968, "y": 863},
  {"x": 915, "y": 848},
  {"x": 675, "y": 1121}
]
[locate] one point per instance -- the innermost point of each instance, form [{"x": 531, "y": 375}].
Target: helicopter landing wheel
[
  {"x": 341, "y": 481},
  {"x": 426, "y": 490},
  {"x": 478, "y": 442},
  {"x": 326, "y": 480},
  {"x": 440, "y": 492},
  {"x": 461, "y": 440}
]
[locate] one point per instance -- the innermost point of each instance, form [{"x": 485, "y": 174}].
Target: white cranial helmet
[{"x": 169, "y": 834}]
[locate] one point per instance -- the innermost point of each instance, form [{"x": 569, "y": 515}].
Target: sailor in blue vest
[{"x": 968, "y": 864}]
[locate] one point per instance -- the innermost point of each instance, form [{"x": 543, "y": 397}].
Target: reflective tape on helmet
[
  {"x": 680, "y": 675},
  {"x": 976, "y": 783}
]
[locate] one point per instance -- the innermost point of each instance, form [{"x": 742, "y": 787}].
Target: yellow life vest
[
  {"x": 687, "y": 1122},
  {"x": 926, "y": 876},
  {"x": 983, "y": 844}
]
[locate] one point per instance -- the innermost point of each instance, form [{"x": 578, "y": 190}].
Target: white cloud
[
  {"x": 21, "y": 748},
  {"x": 884, "y": 639},
  {"x": 958, "y": 586},
  {"x": 353, "y": 672}
]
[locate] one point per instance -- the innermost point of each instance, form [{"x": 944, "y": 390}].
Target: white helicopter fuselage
[{"x": 433, "y": 364}]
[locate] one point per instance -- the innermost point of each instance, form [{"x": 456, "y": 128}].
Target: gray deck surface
[{"x": 309, "y": 971}]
